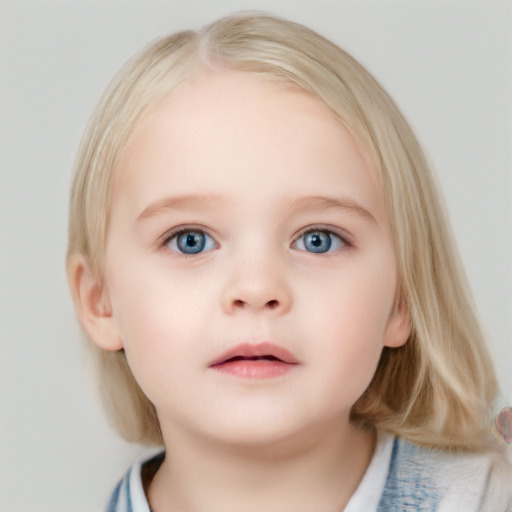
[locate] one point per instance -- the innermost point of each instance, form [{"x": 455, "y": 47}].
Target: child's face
[{"x": 282, "y": 239}]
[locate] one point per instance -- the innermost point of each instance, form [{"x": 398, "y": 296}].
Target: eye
[
  {"x": 190, "y": 241},
  {"x": 319, "y": 241}
]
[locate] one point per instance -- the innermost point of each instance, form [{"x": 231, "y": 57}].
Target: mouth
[{"x": 260, "y": 361}]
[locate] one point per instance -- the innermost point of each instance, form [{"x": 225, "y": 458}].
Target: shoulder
[
  {"x": 435, "y": 480},
  {"x": 129, "y": 495}
]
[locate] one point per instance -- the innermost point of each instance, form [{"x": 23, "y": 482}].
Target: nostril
[{"x": 242, "y": 304}]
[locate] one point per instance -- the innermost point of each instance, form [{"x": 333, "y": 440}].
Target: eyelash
[{"x": 172, "y": 237}]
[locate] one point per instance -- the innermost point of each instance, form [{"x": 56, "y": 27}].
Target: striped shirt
[{"x": 401, "y": 477}]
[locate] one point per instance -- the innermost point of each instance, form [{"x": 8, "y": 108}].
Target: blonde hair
[{"x": 437, "y": 388}]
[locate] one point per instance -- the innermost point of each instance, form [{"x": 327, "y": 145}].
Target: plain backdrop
[{"x": 447, "y": 63}]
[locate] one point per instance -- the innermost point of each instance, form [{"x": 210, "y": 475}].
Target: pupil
[
  {"x": 316, "y": 241},
  {"x": 191, "y": 240}
]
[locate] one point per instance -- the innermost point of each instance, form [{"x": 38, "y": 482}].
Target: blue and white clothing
[{"x": 401, "y": 477}]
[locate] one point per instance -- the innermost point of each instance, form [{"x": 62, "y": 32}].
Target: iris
[
  {"x": 191, "y": 242},
  {"x": 319, "y": 241}
]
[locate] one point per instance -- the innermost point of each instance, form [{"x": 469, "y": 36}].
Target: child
[{"x": 259, "y": 254}]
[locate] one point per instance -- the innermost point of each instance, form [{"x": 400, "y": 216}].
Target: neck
[{"x": 318, "y": 471}]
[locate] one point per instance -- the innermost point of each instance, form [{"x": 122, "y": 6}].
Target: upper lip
[{"x": 249, "y": 350}]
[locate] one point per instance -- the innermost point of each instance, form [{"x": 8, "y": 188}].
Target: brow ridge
[
  {"x": 330, "y": 203},
  {"x": 315, "y": 202},
  {"x": 188, "y": 201}
]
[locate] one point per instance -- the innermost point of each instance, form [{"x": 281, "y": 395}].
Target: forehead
[{"x": 228, "y": 131}]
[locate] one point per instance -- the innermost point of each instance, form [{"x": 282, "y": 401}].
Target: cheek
[
  {"x": 352, "y": 350},
  {"x": 149, "y": 303},
  {"x": 351, "y": 317},
  {"x": 158, "y": 320},
  {"x": 360, "y": 298}
]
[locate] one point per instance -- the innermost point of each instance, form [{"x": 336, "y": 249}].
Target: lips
[{"x": 259, "y": 361}]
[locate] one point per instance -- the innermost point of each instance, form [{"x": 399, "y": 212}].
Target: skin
[{"x": 239, "y": 158}]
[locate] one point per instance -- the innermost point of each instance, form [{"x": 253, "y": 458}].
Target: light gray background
[{"x": 447, "y": 63}]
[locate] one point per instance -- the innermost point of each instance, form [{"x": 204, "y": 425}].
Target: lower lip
[{"x": 260, "y": 369}]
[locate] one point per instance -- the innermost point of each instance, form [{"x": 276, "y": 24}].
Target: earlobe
[
  {"x": 92, "y": 305},
  {"x": 399, "y": 326}
]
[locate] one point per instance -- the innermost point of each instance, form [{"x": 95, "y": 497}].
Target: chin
[{"x": 269, "y": 435}]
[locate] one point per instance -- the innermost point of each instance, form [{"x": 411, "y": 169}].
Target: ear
[
  {"x": 399, "y": 325},
  {"x": 92, "y": 305}
]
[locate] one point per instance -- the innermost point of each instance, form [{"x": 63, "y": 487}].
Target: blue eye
[
  {"x": 191, "y": 241},
  {"x": 319, "y": 241}
]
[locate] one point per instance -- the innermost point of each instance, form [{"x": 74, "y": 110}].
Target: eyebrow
[
  {"x": 194, "y": 202},
  {"x": 330, "y": 203},
  {"x": 187, "y": 202}
]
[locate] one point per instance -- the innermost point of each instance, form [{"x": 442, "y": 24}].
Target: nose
[{"x": 257, "y": 287}]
